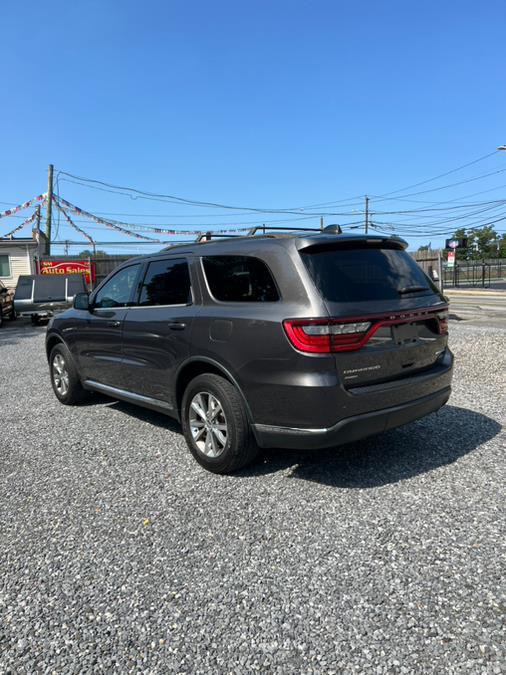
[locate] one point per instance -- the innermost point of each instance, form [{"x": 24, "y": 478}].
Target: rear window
[
  {"x": 235, "y": 278},
  {"x": 48, "y": 287},
  {"x": 358, "y": 274}
]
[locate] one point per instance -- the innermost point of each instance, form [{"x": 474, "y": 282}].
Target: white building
[{"x": 19, "y": 255}]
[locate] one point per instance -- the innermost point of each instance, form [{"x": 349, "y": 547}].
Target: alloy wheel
[
  {"x": 60, "y": 375},
  {"x": 208, "y": 424}
]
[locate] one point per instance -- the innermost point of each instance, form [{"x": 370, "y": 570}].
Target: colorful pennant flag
[
  {"x": 25, "y": 205},
  {"x": 71, "y": 222},
  {"x": 26, "y": 222}
]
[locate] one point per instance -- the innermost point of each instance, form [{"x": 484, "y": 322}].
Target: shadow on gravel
[
  {"x": 143, "y": 414},
  {"x": 13, "y": 332},
  {"x": 395, "y": 455},
  {"x": 417, "y": 448}
]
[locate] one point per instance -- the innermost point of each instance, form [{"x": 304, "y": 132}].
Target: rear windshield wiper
[{"x": 412, "y": 289}]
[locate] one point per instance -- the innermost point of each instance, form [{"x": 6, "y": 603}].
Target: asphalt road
[
  {"x": 475, "y": 304},
  {"x": 118, "y": 553}
]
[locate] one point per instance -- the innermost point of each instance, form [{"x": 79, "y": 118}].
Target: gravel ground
[{"x": 118, "y": 553}]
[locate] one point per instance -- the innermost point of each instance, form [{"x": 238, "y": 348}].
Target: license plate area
[{"x": 405, "y": 333}]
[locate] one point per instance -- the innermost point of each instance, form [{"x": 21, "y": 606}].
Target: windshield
[{"x": 357, "y": 274}]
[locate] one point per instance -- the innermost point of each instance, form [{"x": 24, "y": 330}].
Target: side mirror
[{"x": 82, "y": 301}]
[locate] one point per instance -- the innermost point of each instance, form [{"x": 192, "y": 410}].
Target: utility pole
[
  {"x": 366, "y": 214},
  {"x": 321, "y": 223},
  {"x": 37, "y": 218},
  {"x": 49, "y": 207}
]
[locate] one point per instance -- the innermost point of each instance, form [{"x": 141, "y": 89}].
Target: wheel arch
[
  {"x": 51, "y": 341},
  {"x": 199, "y": 366}
]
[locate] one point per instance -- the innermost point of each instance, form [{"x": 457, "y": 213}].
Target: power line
[{"x": 441, "y": 175}]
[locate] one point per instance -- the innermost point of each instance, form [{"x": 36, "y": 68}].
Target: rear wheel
[
  {"x": 64, "y": 378},
  {"x": 215, "y": 424}
]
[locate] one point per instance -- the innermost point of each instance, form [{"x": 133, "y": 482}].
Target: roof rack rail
[
  {"x": 268, "y": 228},
  {"x": 207, "y": 236}
]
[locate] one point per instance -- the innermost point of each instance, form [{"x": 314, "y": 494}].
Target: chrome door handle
[
  {"x": 177, "y": 325},
  {"x": 114, "y": 324}
]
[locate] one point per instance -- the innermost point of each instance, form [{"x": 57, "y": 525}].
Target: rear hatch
[{"x": 387, "y": 319}]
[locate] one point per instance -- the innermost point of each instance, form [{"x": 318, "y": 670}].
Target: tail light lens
[{"x": 323, "y": 337}]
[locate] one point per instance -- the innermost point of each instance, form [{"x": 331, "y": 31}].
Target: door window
[
  {"x": 117, "y": 292},
  {"x": 167, "y": 282}
]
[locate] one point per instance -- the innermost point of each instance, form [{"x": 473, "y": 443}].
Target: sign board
[
  {"x": 69, "y": 267},
  {"x": 451, "y": 258},
  {"x": 456, "y": 243}
]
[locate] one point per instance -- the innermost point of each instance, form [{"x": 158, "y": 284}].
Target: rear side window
[
  {"x": 234, "y": 278},
  {"x": 358, "y": 274},
  {"x": 167, "y": 282}
]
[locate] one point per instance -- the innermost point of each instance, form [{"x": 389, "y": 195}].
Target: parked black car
[
  {"x": 295, "y": 340},
  {"x": 6, "y": 304},
  {"x": 39, "y": 296}
]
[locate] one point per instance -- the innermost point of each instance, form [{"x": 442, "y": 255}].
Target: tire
[
  {"x": 34, "y": 319},
  {"x": 1, "y": 318},
  {"x": 223, "y": 444},
  {"x": 64, "y": 377},
  {"x": 12, "y": 315}
]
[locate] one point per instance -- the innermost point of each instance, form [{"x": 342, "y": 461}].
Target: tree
[
  {"x": 481, "y": 244},
  {"x": 424, "y": 247},
  {"x": 502, "y": 246},
  {"x": 89, "y": 254}
]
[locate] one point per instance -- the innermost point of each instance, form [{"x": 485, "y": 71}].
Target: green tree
[
  {"x": 483, "y": 243},
  {"x": 89, "y": 254},
  {"x": 502, "y": 246}
]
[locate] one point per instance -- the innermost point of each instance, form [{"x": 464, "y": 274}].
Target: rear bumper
[{"x": 350, "y": 428}]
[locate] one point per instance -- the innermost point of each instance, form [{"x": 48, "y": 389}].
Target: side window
[
  {"x": 234, "y": 278},
  {"x": 118, "y": 290},
  {"x": 167, "y": 282}
]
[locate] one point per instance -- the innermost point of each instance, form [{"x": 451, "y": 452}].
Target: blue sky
[{"x": 267, "y": 104}]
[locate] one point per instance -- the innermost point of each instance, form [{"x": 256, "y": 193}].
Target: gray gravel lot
[{"x": 118, "y": 553}]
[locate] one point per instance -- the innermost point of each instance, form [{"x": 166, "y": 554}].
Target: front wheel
[
  {"x": 64, "y": 378},
  {"x": 215, "y": 424}
]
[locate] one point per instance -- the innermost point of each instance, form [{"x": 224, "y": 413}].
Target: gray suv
[{"x": 298, "y": 340}]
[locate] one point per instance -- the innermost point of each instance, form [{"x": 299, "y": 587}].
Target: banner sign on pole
[
  {"x": 451, "y": 258},
  {"x": 456, "y": 243}
]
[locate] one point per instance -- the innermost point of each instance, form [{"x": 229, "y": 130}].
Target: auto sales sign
[{"x": 85, "y": 267}]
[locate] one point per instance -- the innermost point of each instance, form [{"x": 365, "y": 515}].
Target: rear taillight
[
  {"x": 443, "y": 323},
  {"x": 323, "y": 336}
]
